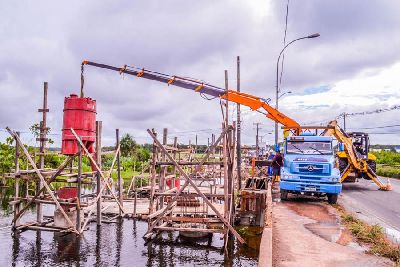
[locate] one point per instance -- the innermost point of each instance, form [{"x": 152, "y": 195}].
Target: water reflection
[
  {"x": 115, "y": 244},
  {"x": 118, "y": 244}
]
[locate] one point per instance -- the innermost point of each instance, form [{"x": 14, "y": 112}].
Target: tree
[
  {"x": 128, "y": 145},
  {"x": 35, "y": 130},
  {"x": 6, "y": 156}
]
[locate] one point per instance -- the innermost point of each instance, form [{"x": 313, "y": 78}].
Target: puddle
[
  {"x": 329, "y": 231},
  {"x": 327, "y": 225}
]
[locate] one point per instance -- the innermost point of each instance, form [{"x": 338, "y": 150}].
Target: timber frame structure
[
  {"x": 41, "y": 181},
  {"x": 194, "y": 206}
]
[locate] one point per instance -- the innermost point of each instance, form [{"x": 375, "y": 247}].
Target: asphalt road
[{"x": 374, "y": 206}]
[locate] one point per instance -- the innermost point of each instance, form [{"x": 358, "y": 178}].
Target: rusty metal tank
[{"x": 79, "y": 114}]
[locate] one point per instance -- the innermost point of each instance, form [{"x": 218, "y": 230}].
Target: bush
[
  {"x": 387, "y": 157},
  {"x": 388, "y": 171}
]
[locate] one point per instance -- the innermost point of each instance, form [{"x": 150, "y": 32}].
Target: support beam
[
  {"x": 120, "y": 181},
  {"x": 98, "y": 176}
]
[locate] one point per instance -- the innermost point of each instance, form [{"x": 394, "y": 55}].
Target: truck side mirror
[{"x": 341, "y": 146}]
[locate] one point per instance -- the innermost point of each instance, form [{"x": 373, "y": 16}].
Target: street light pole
[{"x": 277, "y": 77}]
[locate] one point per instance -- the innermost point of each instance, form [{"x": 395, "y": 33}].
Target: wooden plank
[{"x": 193, "y": 230}]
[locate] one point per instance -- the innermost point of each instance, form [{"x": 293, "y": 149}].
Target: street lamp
[
  {"x": 315, "y": 35},
  {"x": 289, "y": 92}
]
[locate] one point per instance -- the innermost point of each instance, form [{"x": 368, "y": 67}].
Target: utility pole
[
  {"x": 238, "y": 144},
  {"x": 258, "y": 128},
  {"x": 344, "y": 121},
  {"x": 42, "y": 139}
]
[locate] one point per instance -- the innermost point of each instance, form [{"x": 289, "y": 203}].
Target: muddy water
[
  {"x": 117, "y": 244},
  {"x": 327, "y": 221}
]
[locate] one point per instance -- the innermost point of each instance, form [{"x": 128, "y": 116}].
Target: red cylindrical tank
[
  {"x": 67, "y": 193},
  {"x": 79, "y": 114},
  {"x": 177, "y": 183}
]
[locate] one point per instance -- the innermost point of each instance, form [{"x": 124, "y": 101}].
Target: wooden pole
[
  {"x": 42, "y": 139},
  {"x": 79, "y": 178},
  {"x": 135, "y": 202},
  {"x": 173, "y": 167},
  {"x": 163, "y": 169},
  {"x": 16, "y": 220},
  {"x": 238, "y": 131},
  {"x": 153, "y": 175},
  {"x": 120, "y": 182},
  {"x": 226, "y": 181},
  {"x": 225, "y": 153},
  {"x": 98, "y": 177}
]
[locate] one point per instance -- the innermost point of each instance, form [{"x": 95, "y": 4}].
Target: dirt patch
[
  {"x": 309, "y": 234},
  {"x": 313, "y": 210},
  {"x": 345, "y": 238}
]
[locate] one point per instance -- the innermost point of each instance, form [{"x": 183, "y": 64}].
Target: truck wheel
[
  {"x": 284, "y": 194},
  {"x": 332, "y": 198},
  {"x": 372, "y": 165},
  {"x": 342, "y": 164}
]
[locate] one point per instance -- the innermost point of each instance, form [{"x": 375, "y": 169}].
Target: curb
[{"x": 265, "y": 254}]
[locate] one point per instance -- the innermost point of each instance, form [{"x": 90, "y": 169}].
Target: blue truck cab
[{"x": 309, "y": 168}]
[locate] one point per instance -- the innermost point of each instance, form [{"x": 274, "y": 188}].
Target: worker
[{"x": 277, "y": 163}]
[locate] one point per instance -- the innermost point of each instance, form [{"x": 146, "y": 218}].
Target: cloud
[{"x": 46, "y": 41}]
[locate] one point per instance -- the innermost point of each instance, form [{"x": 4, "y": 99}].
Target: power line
[
  {"x": 369, "y": 112},
  {"x": 377, "y": 127}
]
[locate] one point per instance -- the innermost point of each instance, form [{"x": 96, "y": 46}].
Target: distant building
[
  {"x": 397, "y": 148},
  {"x": 376, "y": 149}
]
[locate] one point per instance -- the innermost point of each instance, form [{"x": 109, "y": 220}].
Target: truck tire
[
  {"x": 342, "y": 164},
  {"x": 372, "y": 165},
  {"x": 284, "y": 194},
  {"x": 332, "y": 198}
]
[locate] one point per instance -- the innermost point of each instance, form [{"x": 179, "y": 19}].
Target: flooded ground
[{"x": 116, "y": 244}]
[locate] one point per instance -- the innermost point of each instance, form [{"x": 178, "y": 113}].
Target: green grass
[
  {"x": 371, "y": 235},
  {"x": 388, "y": 171},
  {"x": 388, "y": 164}
]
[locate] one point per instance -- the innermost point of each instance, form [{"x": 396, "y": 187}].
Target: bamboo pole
[
  {"x": 78, "y": 215},
  {"x": 16, "y": 220},
  {"x": 120, "y": 181},
  {"x": 98, "y": 176}
]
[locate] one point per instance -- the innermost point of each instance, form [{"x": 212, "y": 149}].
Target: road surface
[{"x": 374, "y": 206}]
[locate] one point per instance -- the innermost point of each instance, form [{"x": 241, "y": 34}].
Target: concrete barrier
[{"x": 265, "y": 254}]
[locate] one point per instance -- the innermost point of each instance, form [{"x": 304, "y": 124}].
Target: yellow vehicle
[
  {"x": 361, "y": 145},
  {"x": 354, "y": 157}
]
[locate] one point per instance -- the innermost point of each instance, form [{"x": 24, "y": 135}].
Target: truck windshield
[{"x": 310, "y": 148}]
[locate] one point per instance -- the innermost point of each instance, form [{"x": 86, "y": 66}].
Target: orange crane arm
[{"x": 254, "y": 102}]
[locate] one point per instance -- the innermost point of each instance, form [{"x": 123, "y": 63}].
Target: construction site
[{"x": 125, "y": 168}]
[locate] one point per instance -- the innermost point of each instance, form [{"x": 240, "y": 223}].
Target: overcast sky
[{"x": 354, "y": 66}]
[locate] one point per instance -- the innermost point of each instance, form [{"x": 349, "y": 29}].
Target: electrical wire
[
  {"x": 377, "y": 127},
  {"x": 284, "y": 42}
]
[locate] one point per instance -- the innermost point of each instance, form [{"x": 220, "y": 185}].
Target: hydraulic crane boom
[{"x": 255, "y": 103}]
